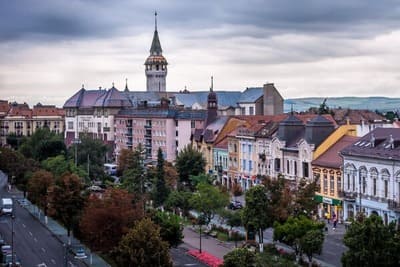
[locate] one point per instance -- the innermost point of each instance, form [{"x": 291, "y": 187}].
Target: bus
[{"x": 110, "y": 169}]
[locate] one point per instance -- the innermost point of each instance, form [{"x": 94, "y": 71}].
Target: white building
[{"x": 371, "y": 181}]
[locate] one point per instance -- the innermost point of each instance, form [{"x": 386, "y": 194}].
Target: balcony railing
[{"x": 394, "y": 205}]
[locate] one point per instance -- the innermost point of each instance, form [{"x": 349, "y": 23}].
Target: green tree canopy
[
  {"x": 207, "y": 200},
  {"x": 171, "y": 227},
  {"x": 304, "y": 200},
  {"x": 178, "y": 199},
  {"x": 59, "y": 165},
  {"x": 257, "y": 213},
  {"x": 43, "y": 144},
  {"x": 160, "y": 191},
  {"x": 240, "y": 257},
  {"x": 189, "y": 162},
  {"x": 294, "y": 229},
  {"x": 371, "y": 243},
  {"x": 311, "y": 243},
  {"x": 142, "y": 246}
]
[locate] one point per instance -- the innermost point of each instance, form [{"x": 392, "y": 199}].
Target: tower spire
[
  {"x": 212, "y": 84},
  {"x": 155, "y": 20}
]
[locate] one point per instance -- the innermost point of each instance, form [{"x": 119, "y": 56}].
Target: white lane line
[
  {"x": 30, "y": 233},
  {"x": 35, "y": 239},
  {"x": 24, "y": 225},
  {"x": 53, "y": 261},
  {"x": 43, "y": 250}
]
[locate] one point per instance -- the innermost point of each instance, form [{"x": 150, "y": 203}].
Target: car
[
  {"x": 79, "y": 252},
  {"x": 6, "y": 249},
  {"x": 23, "y": 202},
  {"x": 235, "y": 204}
]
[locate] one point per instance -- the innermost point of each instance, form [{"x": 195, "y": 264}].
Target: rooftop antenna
[{"x": 126, "y": 83}]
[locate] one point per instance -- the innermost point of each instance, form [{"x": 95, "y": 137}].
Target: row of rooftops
[
  {"x": 23, "y": 110},
  {"x": 114, "y": 98}
]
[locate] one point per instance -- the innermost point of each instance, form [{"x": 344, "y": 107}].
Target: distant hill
[{"x": 382, "y": 104}]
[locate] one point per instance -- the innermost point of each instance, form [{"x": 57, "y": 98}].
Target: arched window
[
  {"x": 385, "y": 175},
  {"x": 363, "y": 177},
  {"x": 374, "y": 177}
]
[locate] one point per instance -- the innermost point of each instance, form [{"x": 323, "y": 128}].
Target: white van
[
  {"x": 6, "y": 206},
  {"x": 110, "y": 169}
]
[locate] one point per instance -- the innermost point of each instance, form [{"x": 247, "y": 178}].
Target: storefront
[{"x": 329, "y": 207}]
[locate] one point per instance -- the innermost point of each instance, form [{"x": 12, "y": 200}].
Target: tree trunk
[{"x": 261, "y": 240}]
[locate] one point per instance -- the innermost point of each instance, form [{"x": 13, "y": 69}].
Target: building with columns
[{"x": 371, "y": 182}]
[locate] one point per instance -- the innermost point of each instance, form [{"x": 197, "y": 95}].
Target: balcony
[
  {"x": 394, "y": 205},
  {"x": 348, "y": 196},
  {"x": 106, "y": 129}
]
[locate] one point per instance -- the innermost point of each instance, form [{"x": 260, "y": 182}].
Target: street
[{"x": 33, "y": 243}]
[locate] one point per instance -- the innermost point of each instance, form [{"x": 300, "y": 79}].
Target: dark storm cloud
[{"x": 35, "y": 20}]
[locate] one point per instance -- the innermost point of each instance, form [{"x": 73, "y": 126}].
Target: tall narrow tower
[{"x": 156, "y": 65}]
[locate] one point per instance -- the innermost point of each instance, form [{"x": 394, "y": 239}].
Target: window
[
  {"x": 251, "y": 110},
  {"x": 70, "y": 125},
  {"x": 277, "y": 165},
  {"x": 287, "y": 167},
  {"x": 243, "y": 111},
  {"x": 386, "y": 188},
  {"x": 244, "y": 164},
  {"x": 249, "y": 149},
  {"x": 348, "y": 181},
  {"x": 235, "y": 148},
  {"x": 332, "y": 185},
  {"x": 338, "y": 182},
  {"x": 250, "y": 165},
  {"x": 176, "y": 123},
  {"x": 305, "y": 169},
  {"x": 374, "y": 187},
  {"x": 192, "y": 124},
  {"x": 364, "y": 185},
  {"x": 243, "y": 148},
  {"x": 325, "y": 185},
  {"x": 295, "y": 168},
  {"x": 176, "y": 133}
]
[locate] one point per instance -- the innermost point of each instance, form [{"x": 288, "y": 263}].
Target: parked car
[
  {"x": 235, "y": 204},
  {"x": 6, "y": 249},
  {"x": 79, "y": 252}
]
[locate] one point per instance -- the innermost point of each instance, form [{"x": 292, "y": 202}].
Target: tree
[
  {"x": 59, "y": 165},
  {"x": 201, "y": 178},
  {"x": 160, "y": 192},
  {"x": 311, "y": 243},
  {"x": 293, "y": 230},
  {"x": 240, "y": 257},
  {"x": 189, "y": 162},
  {"x": 171, "y": 175},
  {"x": 257, "y": 212},
  {"x": 304, "y": 201},
  {"x": 65, "y": 199},
  {"x": 207, "y": 200},
  {"x": 236, "y": 190},
  {"x": 280, "y": 198},
  {"x": 232, "y": 219},
  {"x": 38, "y": 188},
  {"x": 105, "y": 220},
  {"x": 91, "y": 154},
  {"x": 43, "y": 144},
  {"x": 170, "y": 227},
  {"x": 371, "y": 243},
  {"x": 180, "y": 200},
  {"x": 126, "y": 160},
  {"x": 142, "y": 246}
]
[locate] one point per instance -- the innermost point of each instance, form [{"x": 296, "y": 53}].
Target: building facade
[{"x": 371, "y": 182}]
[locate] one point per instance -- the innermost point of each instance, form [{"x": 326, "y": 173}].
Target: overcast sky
[{"x": 48, "y": 48}]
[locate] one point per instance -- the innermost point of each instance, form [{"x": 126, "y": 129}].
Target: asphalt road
[
  {"x": 34, "y": 244},
  {"x": 181, "y": 259}
]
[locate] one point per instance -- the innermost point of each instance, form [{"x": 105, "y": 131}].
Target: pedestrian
[{"x": 334, "y": 224}]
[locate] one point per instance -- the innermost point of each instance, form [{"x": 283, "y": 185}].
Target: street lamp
[{"x": 12, "y": 240}]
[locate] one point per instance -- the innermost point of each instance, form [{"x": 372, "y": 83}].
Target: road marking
[
  {"x": 42, "y": 265},
  {"x": 35, "y": 239},
  {"x": 53, "y": 261},
  {"x": 23, "y": 225},
  {"x": 43, "y": 250},
  {"x": 30, "y": 233}
]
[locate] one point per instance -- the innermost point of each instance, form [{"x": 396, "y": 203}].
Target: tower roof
[{"x": 155, "y": 44}]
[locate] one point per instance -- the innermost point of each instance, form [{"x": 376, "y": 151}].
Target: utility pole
[{"x": 12, "y": 239}]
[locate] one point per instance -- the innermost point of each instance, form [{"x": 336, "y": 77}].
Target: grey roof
[
  {"x": 382, "y": 143},
  {"x": 97, "y": 98},
  {"x": 156, "y": 45},
  {"x": 139, "y": 96},
  {"x": 251, "y": 95},
  {"x": 225, "y": 99}
]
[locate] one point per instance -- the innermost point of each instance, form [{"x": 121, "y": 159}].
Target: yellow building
[{"x": 327, "y": 172}]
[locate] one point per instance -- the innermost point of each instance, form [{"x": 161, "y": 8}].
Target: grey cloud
[{"x": 30, "y": 19}]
